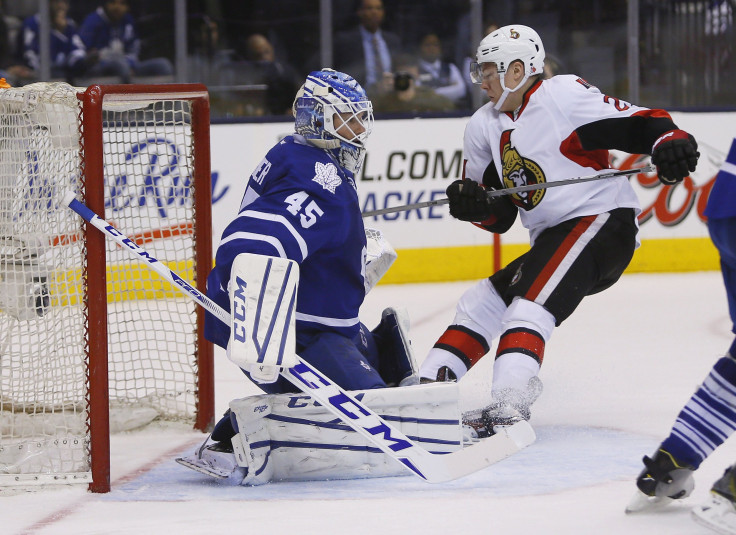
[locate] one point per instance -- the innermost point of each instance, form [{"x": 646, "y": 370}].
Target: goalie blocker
[
  {"x": 263, "y": 303},
  {"x": 263, "y": 293}
]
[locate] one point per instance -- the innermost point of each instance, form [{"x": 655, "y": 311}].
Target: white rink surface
[{"x": 615, "y": 376}]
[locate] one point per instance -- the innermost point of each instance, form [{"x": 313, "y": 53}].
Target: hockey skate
[
  {"x": 509, "y": 407},
  {"x": 662, "y": 481},
  {"x": 444, "y": 375},
  {"x": 216, "y": 460},
  {"x": 489, "y": 421},
  {"x": 719, "y": 512}
]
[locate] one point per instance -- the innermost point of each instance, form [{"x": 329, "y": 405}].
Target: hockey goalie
[{"x": 293, "y": 268}]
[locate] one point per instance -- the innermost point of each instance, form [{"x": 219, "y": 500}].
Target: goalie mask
[
  {"x": 504, "y": 46},
  {"x": 332, "y": 111}
]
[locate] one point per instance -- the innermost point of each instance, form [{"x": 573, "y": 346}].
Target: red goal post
[{"x": 89, "y": 341}]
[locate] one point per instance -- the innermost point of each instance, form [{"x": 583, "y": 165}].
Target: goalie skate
[{"x": 215, "y": 460}]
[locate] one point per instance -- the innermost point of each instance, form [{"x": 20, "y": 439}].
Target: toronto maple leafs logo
[{"x": 326, "y": 175}]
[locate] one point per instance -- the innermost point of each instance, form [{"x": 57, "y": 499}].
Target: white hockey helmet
[
  {"x": 504, "y": 46},
  {"x": 509, "y": 44}
]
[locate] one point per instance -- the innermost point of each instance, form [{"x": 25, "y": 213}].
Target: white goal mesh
[{"x": 48, "y": 319}]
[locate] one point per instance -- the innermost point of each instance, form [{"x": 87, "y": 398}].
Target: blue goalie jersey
[{"x": 299, "y": 204}]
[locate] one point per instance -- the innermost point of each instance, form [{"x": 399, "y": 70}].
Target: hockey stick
[
  {"x": 517, "y": 189},
  {"x": 430, "y": 467}
]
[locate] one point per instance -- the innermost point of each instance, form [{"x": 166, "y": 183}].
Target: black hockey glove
[
  {"x": 675, "y": 154},
  {"x": 469, "y": 201}
]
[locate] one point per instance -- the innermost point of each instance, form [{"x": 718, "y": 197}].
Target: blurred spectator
[
  {"x": 207, "y": 53},
  {"x": 67, "y": 50},
  {"x": 442, "y": 76},
  {"x": 257, "y": 83},
  {"x": 720, "y": 36},
  {"x": 718, "y": 18},
  {"x": 280, "y": 77},
  {"x": 490, "y": 27},
  {"x": 10, "y": 69},
  {"x": 552, "y": 66},
  {"x": 110, "y": 37},
  {"x": 413, "y": 19},
  {"x": 366, "y": 51},
  {"x": 405, "y": 95}
]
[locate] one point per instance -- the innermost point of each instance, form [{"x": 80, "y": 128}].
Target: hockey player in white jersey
[
  {"x": 301, "y": 204},
  {"x": 582, "y": 236}
]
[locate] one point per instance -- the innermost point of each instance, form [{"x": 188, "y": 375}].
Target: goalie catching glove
[
  {"x": 675, "y": 153},
  {"x": 469, "y": 201}
]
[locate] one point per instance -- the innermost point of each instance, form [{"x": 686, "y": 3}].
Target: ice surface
[{"x": 615, "y": 374}]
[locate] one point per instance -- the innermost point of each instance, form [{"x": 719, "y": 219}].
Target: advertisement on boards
[{"x": 414, "y": 160}]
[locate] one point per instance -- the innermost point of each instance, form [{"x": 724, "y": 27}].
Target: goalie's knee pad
[
  {"x": 340, "y": 359},
  {"x": 397, "y": 364}
]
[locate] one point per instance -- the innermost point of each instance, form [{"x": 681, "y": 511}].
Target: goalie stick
[
  {"x": 517, "y": 189},
  {"x": 429, "y": 467}
]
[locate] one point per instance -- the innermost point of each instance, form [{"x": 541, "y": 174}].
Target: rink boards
[{"x": 414, "y": 160}]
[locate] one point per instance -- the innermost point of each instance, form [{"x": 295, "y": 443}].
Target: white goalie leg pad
[
  {"x": 378, "y": 259},
  {"x": 252, "y": 443},
  {"x": 263, "y": 299},
  {"x": 306, "y": 442}
]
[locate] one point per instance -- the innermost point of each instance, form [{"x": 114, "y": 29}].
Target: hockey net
[{"x": 90, "y": 341}]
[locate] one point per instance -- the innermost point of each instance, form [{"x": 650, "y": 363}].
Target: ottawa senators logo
[
  {"x": 513, "y": 34},
  {"x": 520, "y": 171}
]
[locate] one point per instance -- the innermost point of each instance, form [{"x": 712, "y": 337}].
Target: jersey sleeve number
[
  {"x": 620, "y": 105},
  {"x": 308, "y": 214}
]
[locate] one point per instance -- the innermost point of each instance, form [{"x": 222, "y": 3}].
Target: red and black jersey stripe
[
  {"x": 464, "y": 343},
  {"x": 521, "y": 340}
]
